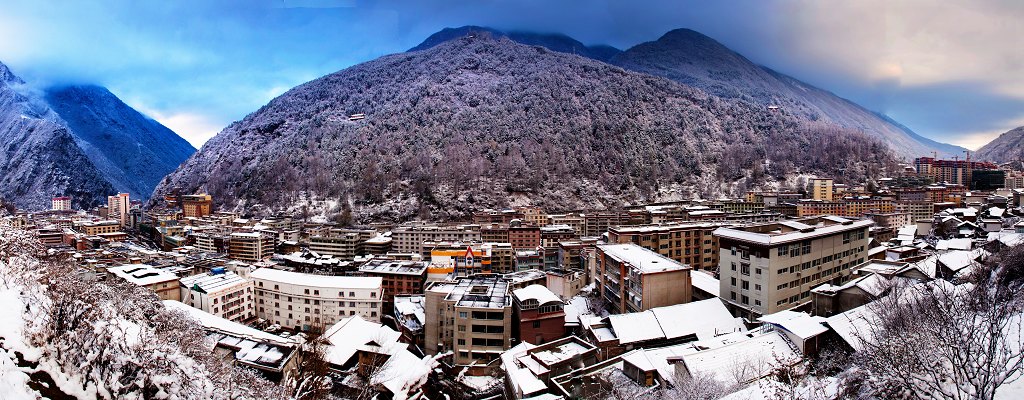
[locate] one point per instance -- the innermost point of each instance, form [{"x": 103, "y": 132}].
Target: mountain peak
[
  {"x": 7, "y": 76},
  {"x": 553, "y": 41}
]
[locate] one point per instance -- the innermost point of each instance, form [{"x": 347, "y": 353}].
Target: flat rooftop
[
  {"x": 480, "y": 291},
  {"x": 644, "y": 260},
  {"x": 396, "y": 267},
  {"x": 793, "y": 230}
]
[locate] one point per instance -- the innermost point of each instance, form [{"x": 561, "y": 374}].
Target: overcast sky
[{"x": 950, "y": 70}]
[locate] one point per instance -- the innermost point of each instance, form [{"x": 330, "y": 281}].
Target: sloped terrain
[{"x": 484, "y": 122}]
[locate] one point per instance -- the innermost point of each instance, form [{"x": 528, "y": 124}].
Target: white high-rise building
[{"x": 118, "y": 207}]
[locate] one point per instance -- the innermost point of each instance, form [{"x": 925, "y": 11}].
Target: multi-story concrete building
[
  {"x": 768, "y": 268},
  {"x": 688, "y": 243},
  {"x": 494, "y": 233},
  {"x": 163, "y": 283},
  {"x": 398, "y": 277},
  {"x": 100, "y": 227},
  {"x": 539, "y": 315},
  {"x": 916, "y": 210},
  {"x": 250, "y": 246},
  {"x": 808, "y": 208},
  {"x": 524, "y": 237},
  {"x": 61, "y": 203},
  {"x": 118, "y": 207},
  {"x": 893, "y": 220},
  {"x": 196, "y": 205},
  {"x": 633, "y": 279},
  {"x": 820, "y": 188},
  {"x": 858, "y": 206},
  {"x": 311, "y": 302},
  {"x": 345, "y": 244},
  {"x": 220, "y": 292},
  {"x": 211, "y": 242},
  {"x": 471, "y": 317},
  {"x": 463, "y": 259},
  {"x": 409, "y": 239},
  {"x": 957, "y": 172},
  {"x": 596, "y": 224}
]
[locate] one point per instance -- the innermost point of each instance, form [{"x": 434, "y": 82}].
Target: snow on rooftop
[
  {"x": 142, "y": 274},
  {"x": 953, "y": 244},
  {"x": 536, "y": 292},
  {"x": 210, "y": 321},
  {"x": 744, "y": 360},
  {"x": 325, "y": 281},
  {"x": 705, "y": 282},
  {"x": 644, "y": 260},
  {"x": 353, "y": 333},
  {"x": 802, "y": 325},
  {"x": 705, "y": 318},
  {"x": 210, "y": 282},
  {"x": 636, "y": 327},
  {"x": 777, "y": 237}
]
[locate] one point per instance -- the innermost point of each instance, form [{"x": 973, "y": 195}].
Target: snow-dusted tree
[
  {"x": 938, "y": 341},
  {"x": 310, "y": 379}
]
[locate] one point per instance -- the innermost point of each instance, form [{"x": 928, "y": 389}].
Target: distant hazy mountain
[
  {"x": 133, "y": 151},
  {"x": 480, "y": 122},
  {"x": 1007, "y": 147},
  {"x": 556, "y": 42},
  {"x": 80, "y": 141},
  {"x": 694, "y": 59},
  {"x": 40, "y": 158}
]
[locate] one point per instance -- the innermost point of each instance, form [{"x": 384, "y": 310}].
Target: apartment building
[
  {"x": 211, "y": 242},
  {"x": 471, "y": 317},
  {"x": 809, "y": 207},
  {"x": 61, "y": 203},
  {"x": 118, "y": 207},
  {"x": 397, "y": 277},
  {"x": 952, "y": 171},
  {"x": 220, "y": 292},
  {"x": 250, "y": 246},
  {"x": 345, "y": 244},
  {"x": 773, "y": 267},
  {"x": 633, "y": 279},
  {"x": 196, "y": 205},
  {"x": 524, "y": 237},
  {"x": 494, "y": 234},
  {"x": 820, "y": 188},
  {"x": 467, "y": 259},
  {"x": 409, "y": 239},
  {"x": 310, "y": 302},
  {"x": 688, "y": 243},
  {"x": 596, "y": 224},
  {"x": 539, "y": 315},
  {"x": 892, "y": 220},
  {"x": 100, "y": 227},
  {"x": 163, "y": 283}
]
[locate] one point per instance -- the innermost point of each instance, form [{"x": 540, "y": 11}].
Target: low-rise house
[
  {"x": 538, "y": 314},
  {"x": 272, "y": 355},
  {"x": 163, "y": 283}
]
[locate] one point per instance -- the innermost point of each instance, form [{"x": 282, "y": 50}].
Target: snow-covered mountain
[
  {"x": 694, "y": 59},
  {"x": 484, "y": 121},
  {"x": 133, "y": 151},
  {"x": 1009, "y": 146},
  {"x": 80, "y": 141}
]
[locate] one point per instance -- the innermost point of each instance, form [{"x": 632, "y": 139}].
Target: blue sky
[{"x": 952, "y": 70}]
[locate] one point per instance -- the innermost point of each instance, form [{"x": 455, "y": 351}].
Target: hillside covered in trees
[{"x": 487, "y": 122}]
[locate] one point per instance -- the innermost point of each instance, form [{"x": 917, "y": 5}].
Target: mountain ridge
[
  {"x": 1007, "y": 147},
  {"x": 80, "y": 141},
  {"x": 692, "y": 58},
  {"x": 487, "y": 122}
]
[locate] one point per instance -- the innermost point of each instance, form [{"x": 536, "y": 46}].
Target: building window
[
  {"x": 745, "y": 285},
  {"x": 462, "y": 314},
  {"x": 745, "y": 269},
  {"x": 732, "y": 280}
]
